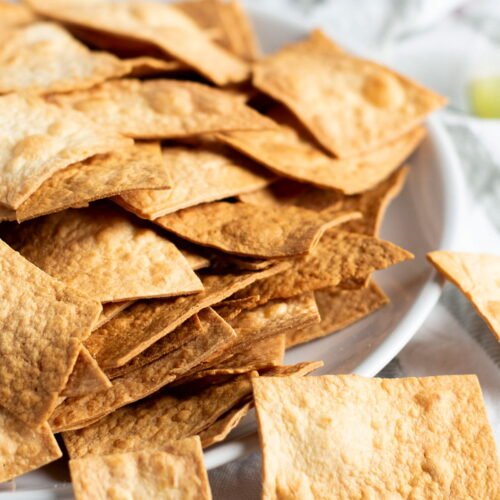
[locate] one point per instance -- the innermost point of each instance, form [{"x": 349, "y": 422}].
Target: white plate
[{"x": 425, "y": 217}]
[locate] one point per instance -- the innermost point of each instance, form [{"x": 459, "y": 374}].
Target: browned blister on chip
[
  {"x": 146, "y": 322},
  {"x": 252, "y": 231},
  {"x": 43, "y": 324},
  {"x": 350, "y": 437},
  {"x": 155, "y": 24},
  {"x": 174, "y": 471},
  {"x": 338, "y": 309},
  {"x": 23, "y": 448},
  {"x": 102, "y": 252},
  {"x": 199, "y": 174},
  {"x": 478, "y": 277},
  {"x": 74, "y": 413},
  {"x": 136, "y": 167},
  {"x": 38, "y": 139},
  {"x": 351, "y": 105}
]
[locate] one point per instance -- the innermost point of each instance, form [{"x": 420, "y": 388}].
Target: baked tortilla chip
[
  {"x": 74, "y": 413},
  {"x": 162, "y": 109},
  {"x": 247, "y": 230},
  {"x": 199, "y": 174},
  {"x": 86, "y": 377},
  {"x": 162, "y": 418},
  {"x": 350, "y": 437},
  {"x": 349, "y": 104},
  {"x": 143, "y": 66},
  {"x": 339, "y": 309},
  {"x": 38, "y": 139},
  {"x": 22, "y": 448},
  {"x": 175, "y": 471},
  {"x": 153, "y": 23},
  {"x": 146, "y": 322},
  {"x": 102, "y": 252},
  {"x": 102, "y": 176},
  {"x": 195, "y": 260},
  {"x": 477, "y": 276},
  {"x": 43, "y": 324},
  {"x": 110, "y": 310},
  {"x": 13, "y": 14}
]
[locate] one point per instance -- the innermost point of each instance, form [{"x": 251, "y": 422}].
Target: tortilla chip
[
  {"x": 350, "y": 105},
  {"x": 340, "y": 257},
  {"x": 110, "y": 310},
  {"x": 252, "y": 231},
  {"x": 95, "y": 249},
  {"x": 22, "y": 448},
  {"x": 102, "y": 176},
  {"x": 195, "y": 260},
  {"x": 151, "y": 66},
  {"x": 43, "y": 57},
  {"x": 6, "y": 214},
  {"x": 74, "y": 413},
  {"x": 199, "y": 175},
  {"x": 164, "y": 417},
  {"x": 162, "y": 109},
  {"x": 39, "y": 139},
  {"x": 146, "y": 322},
  {"x": 290, "y": 152},
  {"x": 477, "y": 276},
  {"x": 43, "y": 324},
  {"x": 350, "y": 437},
  {"x": 14, "y": 14},
  {"x": 154, "y": 23},
  {"x": 86, "y": 377},
  {"x": 339, "y": 309},
  {"x": 176, "y": 471}
]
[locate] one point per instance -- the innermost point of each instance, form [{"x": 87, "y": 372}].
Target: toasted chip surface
[
  {"x": 351, "y": 105},
  {"x": 13, "y": 14},
  {"x": 23, "y": 448},
  {"x": 175, "y": 471},
  {"x": 110, "y": 310},
  {"x": 95, "y": 249},
  {"x": 478, "y": 277},
  {"x": 38, "y": 139},
  {"x": 350, "y": 437},
  {"x": 199, "y": 174},
  {"x": 43, "y": 324}
]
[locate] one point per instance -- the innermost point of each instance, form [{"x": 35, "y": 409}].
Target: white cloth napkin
[{"x": 430, "y": 40}]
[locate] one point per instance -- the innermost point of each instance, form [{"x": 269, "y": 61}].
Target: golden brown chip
[
  {"x": 247, "y": 230},
  {"x": 102, "y": 176},
  {"x": 162, "y": 109},
  {"x": 147, "y": 66},
  {"x": 351, "y": 105},
  {"x": 14, "y": 14},
  {"x": 23, "y": 448},
  {"x": 339, "y": 309},
  {"x": 159, "y": 419},
  {"x": 478, "y": 277},
  {"x": 43, "y": 324},
  {"x": 153, "y": 23},
  {"x": 38, "y": 139},
  {"x": 102, "y": 252},
  {"x": 86, "y": 377},
  {"x": 74, "y": 413},
  {"x": 110, "y": 310},
  {"x": 350, "y": 437},
  {"x": 175, "y": 471},
  {"x": 146, "y": 322},
  {"x": 199, "y": 174}
]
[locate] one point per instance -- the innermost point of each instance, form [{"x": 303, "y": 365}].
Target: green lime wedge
[{"x": 485, "y": 97}]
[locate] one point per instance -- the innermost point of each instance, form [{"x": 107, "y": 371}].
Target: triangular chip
[
  {"x": 110, "y": 310},
  {"x": 14, "y": 14},
  {"x": 478, "y": 277},
  {"x": 351, "y": 105},
  {"x": 162, "y": 109},
  {"x": 175, "y": 471},
  {"x": 43, "y": 324},
  {"x": 195, "y": 260},
  {"x": 23, "y": 448},
  {"x": 103, "y": 253},
  {"x": 74, "y": 413},
  {"x": 247, "y": 230},
  {"x": 352, "y": 437},
  {"x": 339, "y": 309},
  {"x": 39, "y": 139},
  {"x": 199, "y": 174},
  {"x": 102, "y": 176},
  {"x": 154, "y": 23}
]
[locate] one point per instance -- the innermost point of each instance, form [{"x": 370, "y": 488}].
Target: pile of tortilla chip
[{"x": 178, "y": 210}]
